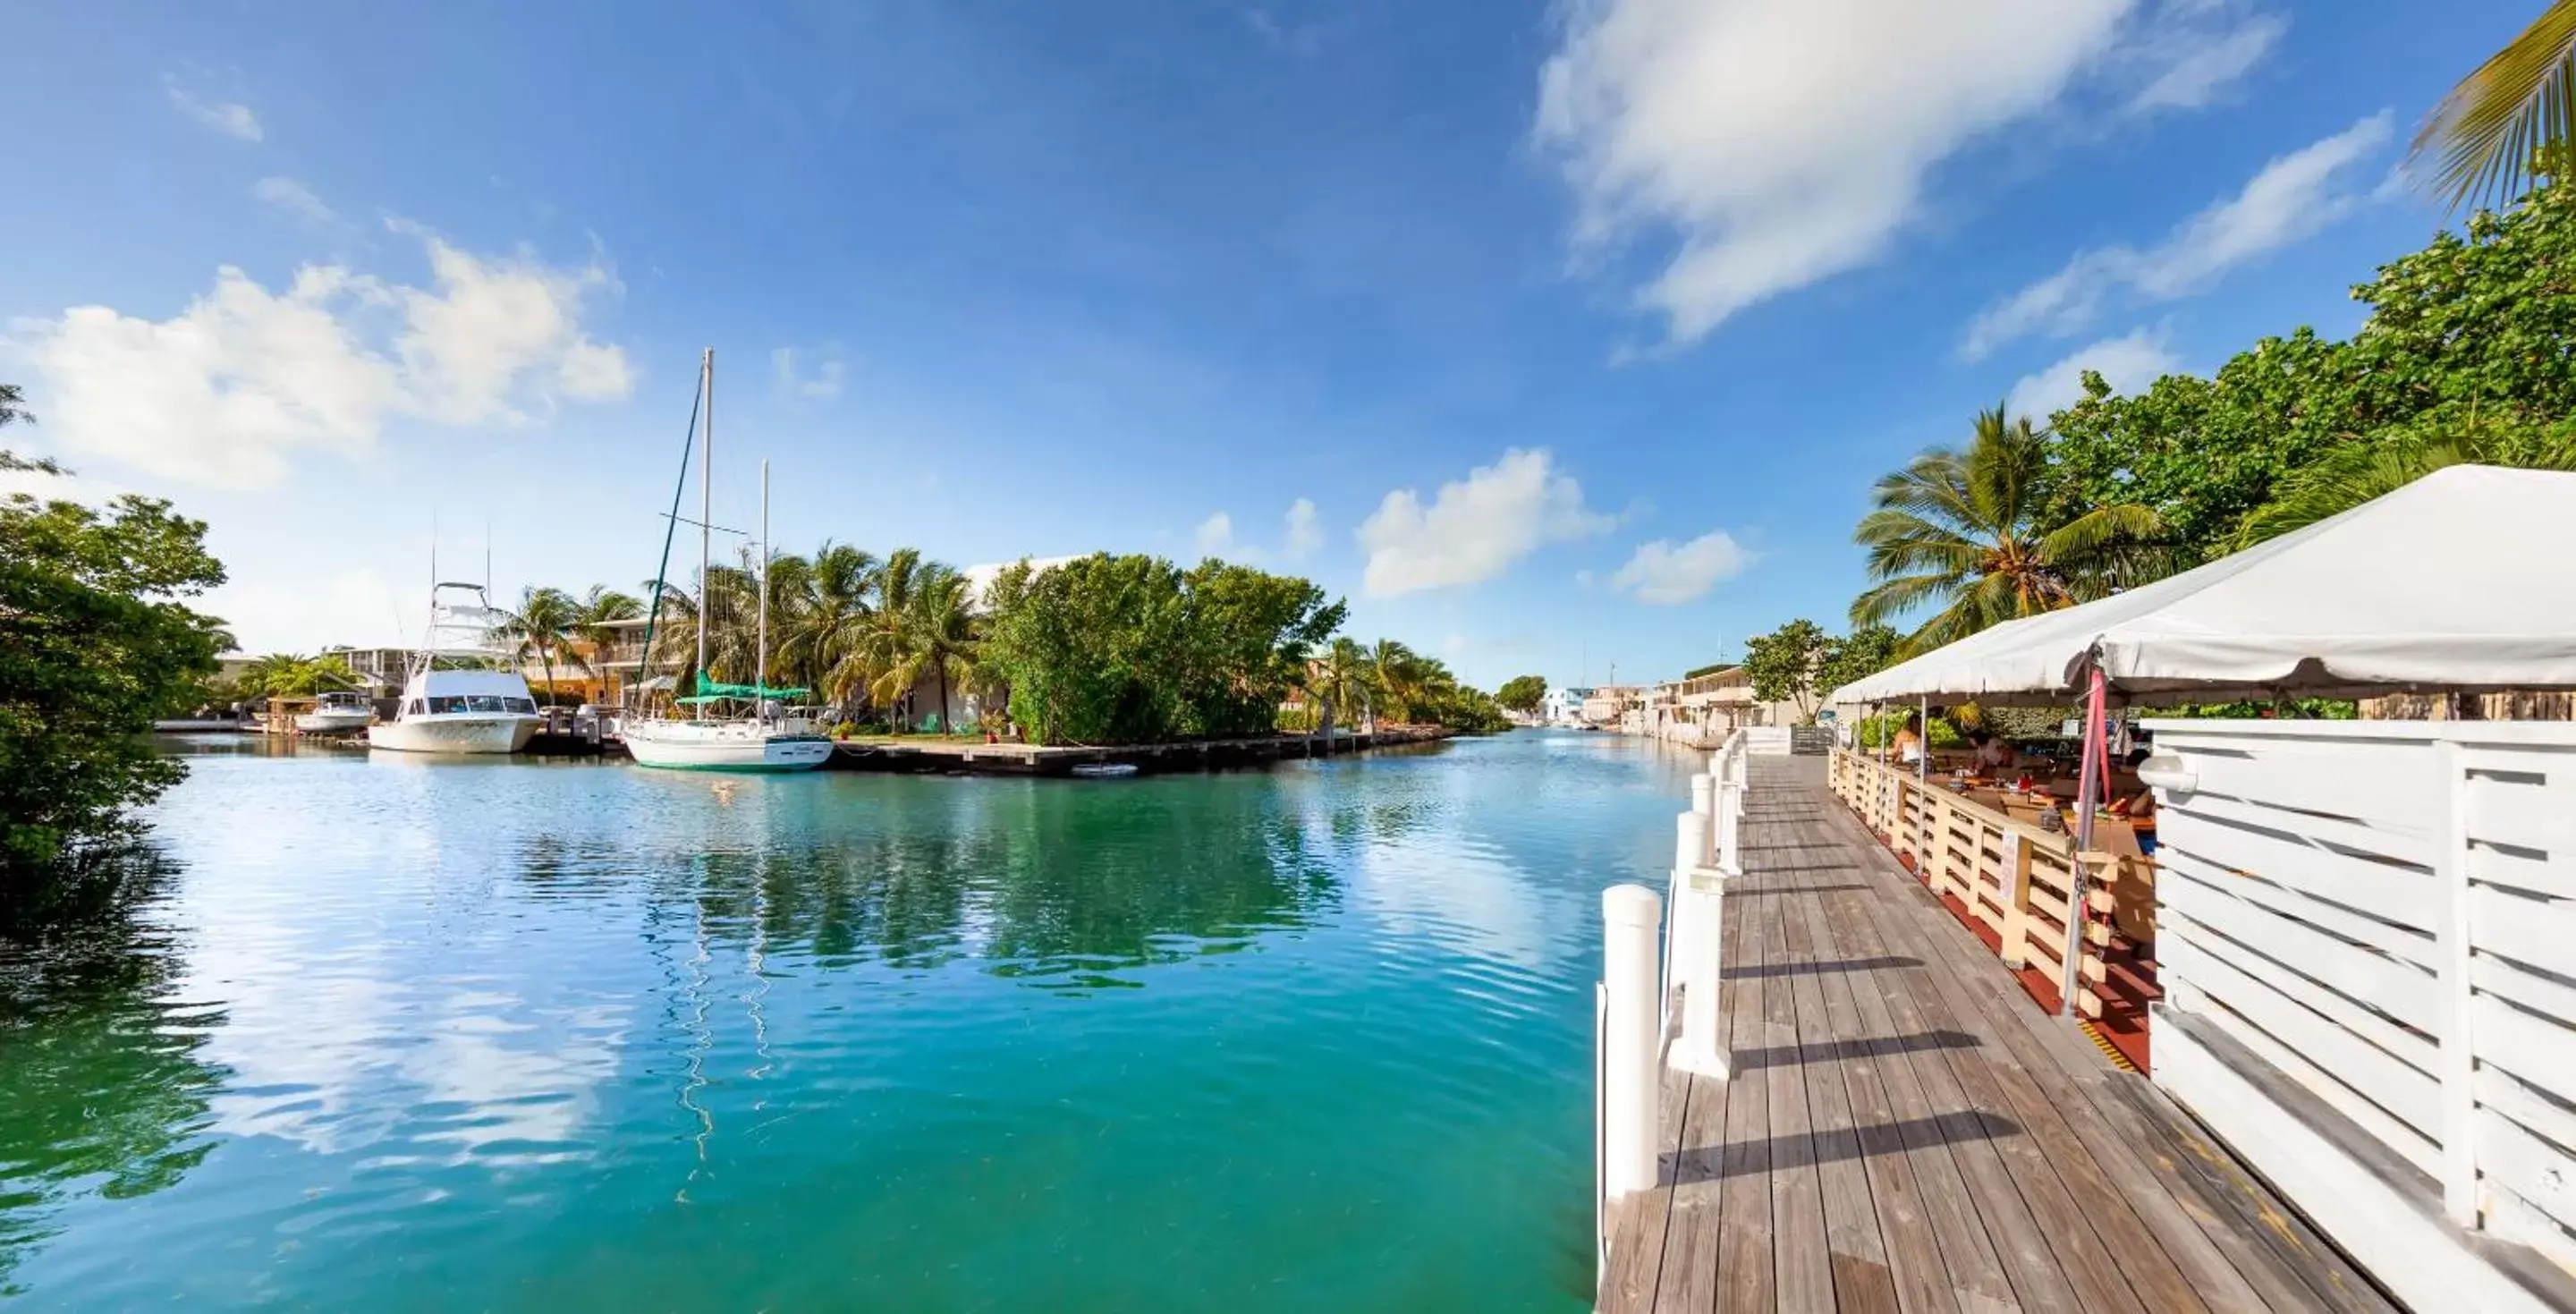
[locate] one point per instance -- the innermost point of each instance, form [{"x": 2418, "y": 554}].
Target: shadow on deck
[{"x": 1906, "y": 1131}]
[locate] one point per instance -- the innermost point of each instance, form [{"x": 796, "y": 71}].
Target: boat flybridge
[
  {"x": 461, "y": 695},
  {"x": 723, "y": 727}
]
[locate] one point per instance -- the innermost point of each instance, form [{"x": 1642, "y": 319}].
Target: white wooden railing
[
  {"x": 1649, "y": 1012},
  {"x": 2385, "y": 913}
]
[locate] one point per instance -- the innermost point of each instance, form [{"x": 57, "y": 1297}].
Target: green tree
[
  {"x": 541, "y": 626},
  {"x": 1866, "y": 651},
  {"x": 1523, "y": 693},
  {"x": 2518, "y": 107},
  {"x": 2468, "y": 341},
  {"x": 825, "y": 639},
  {"x": 1784, "y": 663},
  {"x": 2359, "y": 472},
  {"x": 1968, "y": 534},
  {"x": 292, "y": 675},
  {"x": 94, "y": 645},
  {"x": 939, "y": 630},
  {"x": 1246, "y": 635}
]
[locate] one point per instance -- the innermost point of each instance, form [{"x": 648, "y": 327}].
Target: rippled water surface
[{"x": 399, "y": 1034}]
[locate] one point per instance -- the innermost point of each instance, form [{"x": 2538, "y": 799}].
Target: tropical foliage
[
  {"x": 1968, "y": 535},
  {"x": 95, "y": 643},
  {"x": 2517, "y": 108},
  {"x": 292, "y": 675},
  {"x": 1801, "y": 664},
  {"x": 1523, "y": 694},
  {"x": 1103, "y": 649}
]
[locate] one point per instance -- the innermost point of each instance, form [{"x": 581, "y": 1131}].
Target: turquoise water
[{"x": 396, "y": 1034}]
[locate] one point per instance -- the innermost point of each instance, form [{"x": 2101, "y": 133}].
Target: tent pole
[{"x": 2088, "y": 796}]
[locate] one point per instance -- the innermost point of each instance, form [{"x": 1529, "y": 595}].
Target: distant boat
[
  {"x": 1105, "y": 770},
  {"x": 725, "y": 727},
  {"x": 459, "y": 697},
  {"x": 337, "y": 713}
]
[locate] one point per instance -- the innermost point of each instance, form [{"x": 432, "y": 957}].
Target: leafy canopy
[
  {"x": 94, "y": 645},
  {"x": 1522, "y": 693}
]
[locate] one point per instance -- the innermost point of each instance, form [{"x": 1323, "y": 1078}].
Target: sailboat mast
[
  {"x": 706, "y": 504},
  {"x": 760, "y": 680}
]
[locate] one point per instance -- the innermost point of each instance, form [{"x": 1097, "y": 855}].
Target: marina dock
[
  {"x": 930, "y": 754},
  {"x": 1905, "y": 1130}
]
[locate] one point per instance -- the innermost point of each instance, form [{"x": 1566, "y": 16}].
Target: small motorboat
[
  {"x": 1105, "y": 770},
  {"x": 337, "y": 713}
]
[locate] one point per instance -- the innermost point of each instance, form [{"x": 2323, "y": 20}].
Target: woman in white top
[{"x": 1909, "y": 741}]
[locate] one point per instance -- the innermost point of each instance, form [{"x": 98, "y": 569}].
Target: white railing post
[
  {"x": 1633, "y": 1027},
  {"x": 2458, "y": 1054},
  {"x": 1697, "y": 923}
]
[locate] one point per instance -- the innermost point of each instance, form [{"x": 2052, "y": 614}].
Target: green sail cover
[{"x": 712, "y": 692}]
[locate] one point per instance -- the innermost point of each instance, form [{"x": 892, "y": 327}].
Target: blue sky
[{"x": 1577, "y": 332}]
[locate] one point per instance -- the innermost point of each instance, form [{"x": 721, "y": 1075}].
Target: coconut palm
[
  {"x": 2517, "y": 109},
  {"x": 825, "y": 638},
  {"x": 1964, "y": 532},
  {"x": 2358, "y": 472},
  {"x": 1336, "y": 679},
  {"x": 1399, "y": 673},
  {"x": 541, "y": 626},
  {"x": 940, "y": 629}
]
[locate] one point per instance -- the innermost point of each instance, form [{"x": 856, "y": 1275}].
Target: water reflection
[{"x": 104, "y": 1084}]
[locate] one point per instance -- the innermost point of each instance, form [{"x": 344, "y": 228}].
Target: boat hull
[
  {"x": 333, "y": 723},
  {"x": 684, "y": 746},
  {"x": 466, "y": 733}
]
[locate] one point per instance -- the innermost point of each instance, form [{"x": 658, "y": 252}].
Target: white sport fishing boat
[
  {"x": 724, "y": 727},
  {"x": 461, "y": 696},
  {"x": 338, "y": 712}
]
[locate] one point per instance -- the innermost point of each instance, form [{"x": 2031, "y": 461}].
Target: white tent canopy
[{"x": 2462, "y": 580}]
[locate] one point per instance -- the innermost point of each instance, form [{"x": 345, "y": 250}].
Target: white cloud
[
  {"x": 1305, "y": 530},
  {"x": 354, "y": 605},
  {"x": 295, "y": 199},
  {"x": 2203, "y": 64},
  {"x": 1476, "y": 528},
  {"x": 227, "y": 117},
  {"x": 1784, "y": 143},
  {"x": 1663, "y": 575},
  {"x": 2128, "y": 364},
  {"x": 231, "y": 388},
  {"x": 792, "y": 382},
  {"x": 2292, "y": 198},
  {"x": 1216, "y": 535}
]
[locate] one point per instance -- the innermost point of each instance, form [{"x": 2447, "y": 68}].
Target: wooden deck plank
[
  {"x": 2054, "y": 1264},
  {"x": 1744, "y": 1217},
  {"x": 1643, "y": 1223},
  {"x": 1914, "y": 1255},
  {"x": 1691, "y": 1248},
  {"x": 1801, "y": 1261},
  {"x": 1906, "y": 1131},
  {"x": 1863, "y": 1281},
  {"x": 2131, "y": 1206}
]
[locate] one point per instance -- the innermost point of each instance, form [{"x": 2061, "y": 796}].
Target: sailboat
[{"x": 723, "y": 727}]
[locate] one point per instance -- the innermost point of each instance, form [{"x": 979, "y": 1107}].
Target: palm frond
[{"x": 2516, "y": 108}]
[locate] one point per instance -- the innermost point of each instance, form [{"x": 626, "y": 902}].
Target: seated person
[
  {"x": 2140, "y": 806},
  {"x": 1909, "y": 741},
  {"x": 1991, "y": 756}
]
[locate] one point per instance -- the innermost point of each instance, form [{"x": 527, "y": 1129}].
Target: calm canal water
[{"x": 399, "y": 1034}]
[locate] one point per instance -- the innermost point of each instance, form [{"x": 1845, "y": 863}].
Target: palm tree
[
  {"x": 886, "y": 655},
  {"x": 940, "y": 627},
  {"x": 2355, "y": 473},
  {"x": 543, "y": 623},
  {"x": 1399, "y": 673},
  {"x": 1965, "y": 532},
  {"x": 825, "y": 638},
  {"x": 2517, "y": 109},
  {"x": 1335, "y": 678},
  {"x": 594, "y": 620}
]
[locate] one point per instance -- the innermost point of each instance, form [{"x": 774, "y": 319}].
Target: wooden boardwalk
[{"x": 1905, "y": 1130}]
